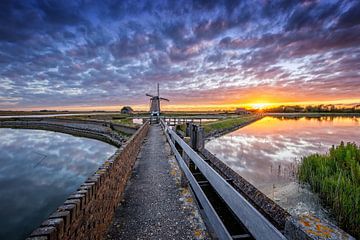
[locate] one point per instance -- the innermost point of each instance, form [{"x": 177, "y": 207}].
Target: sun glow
[
  {"x": 176, "y": 106},
  {"x": 260, "y": 105}
]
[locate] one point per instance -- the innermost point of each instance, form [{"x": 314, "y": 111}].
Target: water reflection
[
  {"x": 38, "y": 170},
  {"x": 266, "y": 152},
  {"x": 138, "y": 120}
]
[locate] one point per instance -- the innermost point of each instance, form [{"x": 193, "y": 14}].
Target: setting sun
[{"x": 259, "y": 105}]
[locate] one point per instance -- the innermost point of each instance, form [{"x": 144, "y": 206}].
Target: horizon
[
  {"x": 206, "y": 55},
  {"x": 187, "y": 108}
]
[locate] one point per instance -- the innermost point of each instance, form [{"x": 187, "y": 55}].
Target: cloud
[
  {"x": 56, "y": 53},
  {"x": 351, "y": 16}
]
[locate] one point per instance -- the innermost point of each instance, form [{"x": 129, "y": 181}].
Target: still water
[
  {"x": 267, "y": 154},
  {"x": 38, "y": 170}
]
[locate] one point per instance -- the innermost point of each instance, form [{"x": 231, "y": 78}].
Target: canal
[
  {"x": 38, "y": 170},
  {"x": 268, "y": 152}
]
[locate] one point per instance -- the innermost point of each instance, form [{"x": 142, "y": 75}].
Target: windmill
[{"x": 155, "y": 103}]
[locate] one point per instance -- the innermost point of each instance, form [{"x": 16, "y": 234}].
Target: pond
[
  {"x": 267, "y": 153},
  {"x": 38, "y": 171}
]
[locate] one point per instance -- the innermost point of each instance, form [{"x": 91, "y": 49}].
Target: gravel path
[{"x": 153, "y": 206}]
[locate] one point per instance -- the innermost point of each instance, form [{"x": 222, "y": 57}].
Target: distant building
[
  {"x": 127, "y": 110},
  {"x": 241, "y": 111}
]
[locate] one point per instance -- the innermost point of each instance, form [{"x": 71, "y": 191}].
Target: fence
[{"x": 258, "y": 226}]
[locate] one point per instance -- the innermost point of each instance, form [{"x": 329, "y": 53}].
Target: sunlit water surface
[
  {"x": 38, "y": 170},
  {"x": 267, "y": 154}
]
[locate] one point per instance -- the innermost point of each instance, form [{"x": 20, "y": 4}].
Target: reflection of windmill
[{"x": 155, "y": 103}]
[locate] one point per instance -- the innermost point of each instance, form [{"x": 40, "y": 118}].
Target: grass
[
  {"x": 336, "y": 178},
  {"x": 193, "y": 114},
  {"x": 125, "y": 121},
  {"x": 227, "y": 123},
  {"x": 96, "y": 117}
]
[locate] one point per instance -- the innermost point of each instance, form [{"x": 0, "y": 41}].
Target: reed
[{"x": 335, "y": 176}]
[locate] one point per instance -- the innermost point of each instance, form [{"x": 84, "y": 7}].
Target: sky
[{"x": 205, "y": 54}]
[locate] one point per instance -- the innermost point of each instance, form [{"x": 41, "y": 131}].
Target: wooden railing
[{"x": 256, "y": 224}]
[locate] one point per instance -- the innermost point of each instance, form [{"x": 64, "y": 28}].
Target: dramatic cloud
[{"x": 110, "y": 53}]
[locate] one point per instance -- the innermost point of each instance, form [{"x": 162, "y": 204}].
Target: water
[
  {"x": 267, "y": 154},
  {"x": 38, "y": 170},
  {"x": 138, "y": 120}
]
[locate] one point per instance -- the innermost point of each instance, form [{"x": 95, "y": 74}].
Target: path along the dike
[{"x": 154, "y": 205}]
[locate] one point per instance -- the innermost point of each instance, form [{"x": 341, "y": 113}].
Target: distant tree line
[{"x": 314, "y": 109}]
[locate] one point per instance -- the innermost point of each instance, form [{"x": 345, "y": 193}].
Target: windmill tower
[{"x": 155, "y": 102}]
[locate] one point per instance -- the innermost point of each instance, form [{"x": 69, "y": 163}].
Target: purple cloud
[{"x": 111, "y": 52}]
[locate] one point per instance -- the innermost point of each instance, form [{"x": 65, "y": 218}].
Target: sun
[{"x": 259, "y": 105}]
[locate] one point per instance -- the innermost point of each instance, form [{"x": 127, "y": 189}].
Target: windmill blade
[
  {"x": 165, "y": 99},
  {"x": 149, "y": 95}
]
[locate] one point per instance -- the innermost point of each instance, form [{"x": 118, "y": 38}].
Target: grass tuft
[{"x": 336, "y": 178}]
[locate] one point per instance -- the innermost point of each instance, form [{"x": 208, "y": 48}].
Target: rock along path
[{"x": 153, "y": 207}]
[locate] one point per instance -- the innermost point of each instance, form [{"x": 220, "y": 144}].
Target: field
[{"x": 336, "y": 178}]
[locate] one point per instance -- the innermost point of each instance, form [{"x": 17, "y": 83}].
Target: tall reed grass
[{"x": 335, "y": 176}]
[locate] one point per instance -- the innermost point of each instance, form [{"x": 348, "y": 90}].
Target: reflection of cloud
[
  {"x": 107, "y": 52},
  {"x": 257, "y": 149},
  {"x": 35, "y": 186}
]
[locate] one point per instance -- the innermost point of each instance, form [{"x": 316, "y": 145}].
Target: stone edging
[
  {"x": 87, "y": 213},
  {"x": 273, "y": 212},
  {"x": 302, "y": 227}
]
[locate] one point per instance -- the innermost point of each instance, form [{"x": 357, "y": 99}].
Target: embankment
[
  {"x": 222, "y": 127},
  {"x": 88, "y": 212},
  {"x": 114, "y": 134}
]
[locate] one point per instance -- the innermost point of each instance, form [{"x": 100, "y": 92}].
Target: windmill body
[{"x": 155, "y": 103}]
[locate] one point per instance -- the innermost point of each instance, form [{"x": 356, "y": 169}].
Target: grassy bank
[
  {"x": 125, "y": 121},
  {"x": 336, "y": 178},
  {"x": 228, "y": 123}
]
